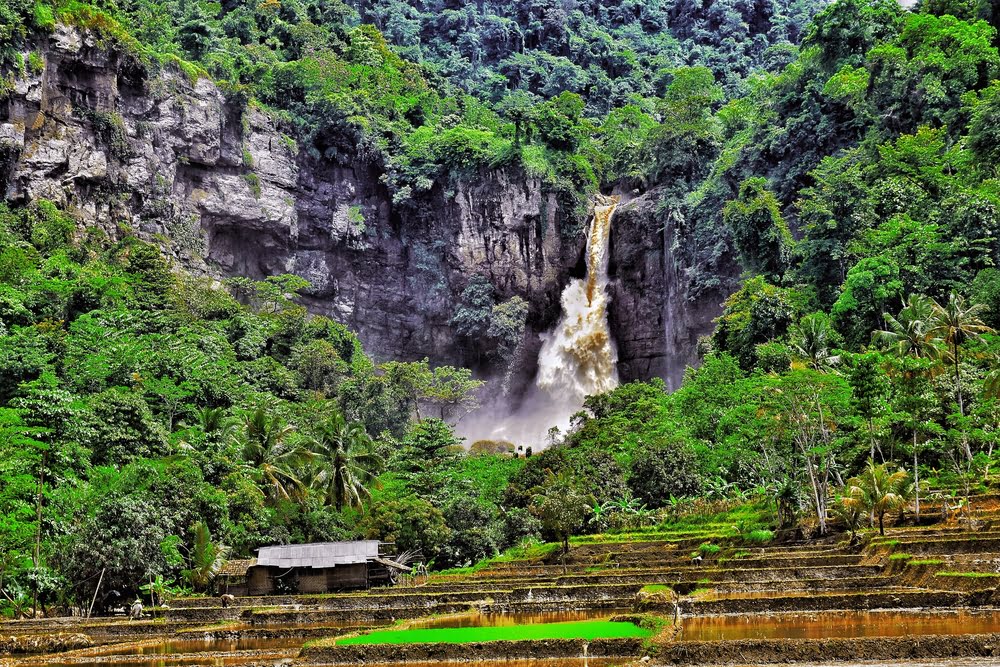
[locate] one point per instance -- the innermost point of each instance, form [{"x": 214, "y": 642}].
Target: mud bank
[
  {"x": 893, "y": 650},
  {"x": 858, "y": 601},
  {"x": 322, "y": 654},
  {"x": 62, "y": 641}
]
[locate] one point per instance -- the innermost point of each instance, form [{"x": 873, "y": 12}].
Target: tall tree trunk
[
  {"x": 916, "y": 477},
  {"x": 871, "y": 439},
  {"x": 961, "y": 403},
  {"x": 820, "y": 514},
  {"x": 38, "y": 534}
]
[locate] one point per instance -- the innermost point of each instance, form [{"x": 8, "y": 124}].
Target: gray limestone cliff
[{"x": 225, "y": 192}]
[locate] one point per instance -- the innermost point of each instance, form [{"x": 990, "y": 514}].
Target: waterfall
[{"x": 578, "y": 357}]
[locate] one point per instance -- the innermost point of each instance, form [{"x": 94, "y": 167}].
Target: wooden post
[{"x": 94, "y": 599}]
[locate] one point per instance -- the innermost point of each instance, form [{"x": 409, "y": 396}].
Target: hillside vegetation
[{"x": 153, "y": 424}]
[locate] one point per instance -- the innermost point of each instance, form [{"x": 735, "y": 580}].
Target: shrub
[
  {"x": 709, "y": 549},
  {"x": 759, "y": 536}
]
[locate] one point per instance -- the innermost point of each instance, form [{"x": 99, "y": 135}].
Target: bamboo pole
[{"x": 96, "y": 590}]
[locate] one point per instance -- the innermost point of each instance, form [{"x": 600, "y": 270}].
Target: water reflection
[
  {"x": 947, "y": 662},
  {"x": 839, "y": 624}
]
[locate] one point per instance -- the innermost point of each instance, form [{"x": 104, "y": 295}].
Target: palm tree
[
  {"x": 207, "y": 558},
  {"x": 955, "y": 323},
  {"x": 346, "y": 461},
  {"x": 991, "y": 384},
  {"x": 877, "y": 491},
  {"x": 810, "y": 342},
  {"x": 213, "y": 421},
  {"x": 268, "y": 453},
  {"x": 913, "y": 333}
]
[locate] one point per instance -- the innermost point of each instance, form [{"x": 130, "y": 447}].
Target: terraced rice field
[{"x": 923, "y": 595}]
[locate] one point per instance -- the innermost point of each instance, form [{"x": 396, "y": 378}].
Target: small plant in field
[
  {"x": 929, "y": 561},
  {"x": 900, "y": 556},
  {"x": 650, "y": 589},
  {"x": 709, "y": 549},
  {"x": 759, "y": 536}
]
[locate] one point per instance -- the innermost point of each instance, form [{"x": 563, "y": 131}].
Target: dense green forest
[{"x": 152, "y": 423}]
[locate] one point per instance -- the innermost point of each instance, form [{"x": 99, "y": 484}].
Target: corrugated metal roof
[{"x": 320, "y": 554}]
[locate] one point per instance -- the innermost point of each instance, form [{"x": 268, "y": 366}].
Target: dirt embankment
[
  {"x": 475, "y": 651},
  {"x": 775, "y": 651},
  {"x": 43, "y": 643}
]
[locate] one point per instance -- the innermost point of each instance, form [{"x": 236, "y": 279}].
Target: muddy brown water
[
  {"x": 843, "y": 624},
  {"x": 950, "y": 662}
]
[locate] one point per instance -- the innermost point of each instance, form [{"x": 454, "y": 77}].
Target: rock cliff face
[
  {"x": 655, "y": 324},
  {"x": 225, "y": 192}
]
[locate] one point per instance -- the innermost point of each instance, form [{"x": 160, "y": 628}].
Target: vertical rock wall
[{"x": 226, "y": 192}]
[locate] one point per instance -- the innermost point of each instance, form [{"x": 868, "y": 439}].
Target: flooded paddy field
[
  {"x": 809, "y": 604},
  {"x": 839, "y": 624}
]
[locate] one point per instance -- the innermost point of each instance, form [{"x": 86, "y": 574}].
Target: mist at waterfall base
[{"x": 577, "y": 359}]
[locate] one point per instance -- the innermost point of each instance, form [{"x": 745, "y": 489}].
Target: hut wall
[
  {"x": 237, "y": 586},
  {"x": 312, "y": 580},
  {"x": 347, "y": 576},
  {"x": 260, "y": 581}
]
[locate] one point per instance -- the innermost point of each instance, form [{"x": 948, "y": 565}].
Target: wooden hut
[
  {"x": 323, "y": 567},
  {"x": 232, "y": 578}
]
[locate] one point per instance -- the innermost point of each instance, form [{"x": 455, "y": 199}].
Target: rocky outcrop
[
  {"x": 223, "y": 190},
  {"x": 653, "y": 320}
]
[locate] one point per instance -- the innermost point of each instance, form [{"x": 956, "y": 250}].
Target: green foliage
[
  {"x": 171, "y": 419},
  {"x": 761, "y": 235}
]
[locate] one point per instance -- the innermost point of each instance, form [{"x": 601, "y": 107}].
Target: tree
[
  {"x": 870, "y": 389},
  {"x": 451, "y": 392},
  {"x": 955, "y": 323},
  {"x": 562, "y": 509},
  {"x": 914, "y": 341},
  {"x": 811, "y": 340},
  {"x": 124, "y": 428},
  {"x": 411, "y": 523},
  {"x": 878, "y": 491},
  {"x": 206, "y": 558},
  {"x": 914, "y": 333},
  {"x": 343, "y": 451},
  {"x": 806, "y": 407},
  {"x": 664, "y": 471},
  {"x": 268, "y": 454},
  {"x": 759, "y": 231}
]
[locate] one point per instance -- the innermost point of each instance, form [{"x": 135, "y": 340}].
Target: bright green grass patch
[
  {"x": 574, "y": 630},
  {"x": 759, "y": 536},
  {"x": 900, "y": 557},
  {"x": 971, "y": 575},
  {"x": 655, "y": 588},
  {"x": 929, "y": 561}
]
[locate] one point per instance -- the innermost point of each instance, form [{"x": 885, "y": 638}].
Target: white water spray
[{"x": 578, "y": 358}]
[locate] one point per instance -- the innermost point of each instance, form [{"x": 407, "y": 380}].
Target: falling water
[{"x": 578, "y": 357}]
